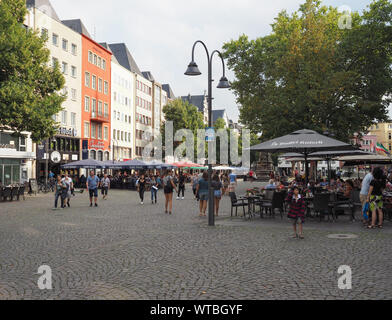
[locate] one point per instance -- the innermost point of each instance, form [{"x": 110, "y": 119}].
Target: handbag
[{"x": 365, "y": 211}]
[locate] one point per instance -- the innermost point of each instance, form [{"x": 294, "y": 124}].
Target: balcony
[{"x": 99, "y": 117}]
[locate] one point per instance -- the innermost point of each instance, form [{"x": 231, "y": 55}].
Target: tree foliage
[
  {"x": 28, "y": 85},
  {"x": 309, "y": 73}
]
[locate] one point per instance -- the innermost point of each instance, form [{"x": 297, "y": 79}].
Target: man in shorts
[
  {"x": 92, "y": 187},
  {"x": 105, "y": 183}
]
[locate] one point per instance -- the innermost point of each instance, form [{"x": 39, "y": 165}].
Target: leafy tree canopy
[
  {"x": 29, "y": 87},
  {"x": 310, "y": 73}
]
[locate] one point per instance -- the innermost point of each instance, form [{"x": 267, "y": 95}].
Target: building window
[
  {"x": 99, "y": 129},
  {"x": 64, "y": 68},
  {"x": 103, "y": 64},
  {"x": 93, "y": 130},
  {"x": 55, "y": 39},
  {"x": 73, "y": 94},
  {"x": 122, "y": 136},
  {"x": 100, "y": 155},
  {"x": 93, "y": 154},
  {"x": 55, "y": 62},
  {"x": 64, "y": 117},
  {"x": 114, "y": 134},
  {"x": 99, "y": 62},
  {"x": 44, "y": 33},
  {"x": 94, "y": 83},
  {"x": 87, "y": 104},
  {"x": 100, "y": 85},
  {"x": 74, "y": 49},
  {"x": 100, "y": 107},
  {"x": 65, "y": 44},
  {"x": 106, "y": 87},
  {"x": 106, "y": 133},
  {"x": 90, "y": 57},
  {"x": 73, "y": 119},
  {"x": 94, "y": 106},
  {"x": 95, "y": 59},
  {"x": 86, "y": 130},
  {"x": 87, "y": 79},
  {"x": 106, "y": 110},
  {"x": 73, "y": 71}
]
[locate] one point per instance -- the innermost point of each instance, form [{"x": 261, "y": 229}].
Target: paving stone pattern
[{"x": 125, "y": 250}]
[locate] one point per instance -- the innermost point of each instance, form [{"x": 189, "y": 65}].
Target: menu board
[{"x": 33, "y": 186}]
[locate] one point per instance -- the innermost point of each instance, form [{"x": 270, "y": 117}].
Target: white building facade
[
  {"x": 65, "y": 47},
  {"x": 123, "y": 112},
  {"x": 144, "y": 115}
]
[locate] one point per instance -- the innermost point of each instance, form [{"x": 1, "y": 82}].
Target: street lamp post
[{"x": 193, "y": 70}]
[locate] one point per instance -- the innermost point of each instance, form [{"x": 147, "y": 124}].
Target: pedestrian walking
[
  {"x": 154, "y": 189},
  {"x": 68, "y": 181},
  {"x": 92, "y": 185},
  {"x": 363, "y": 195},
  {"x": 195, "y": 180},
  {"x": 59, "y": 193},
  {"x": 141, "y": 187},
  {"x": 105, "y": 185},
  {"x": 296, "y": 211},
  {"x": 232, "y": 181},
  {"x": 168, "y": 188},
  {"x": 218, "y": 189},
  {"x": 375, "y": 200},
  {"x": 202, "y": 190},
  {"x": 181, "y": 186}
]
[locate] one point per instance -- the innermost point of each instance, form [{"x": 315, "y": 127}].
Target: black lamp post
[{"x": 193, "y": 70}]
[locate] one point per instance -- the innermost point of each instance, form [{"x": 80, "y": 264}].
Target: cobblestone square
[{"x": 124, "y": 250}]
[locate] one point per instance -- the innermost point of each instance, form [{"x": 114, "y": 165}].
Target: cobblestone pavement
[{"x": 124, "y": 250}]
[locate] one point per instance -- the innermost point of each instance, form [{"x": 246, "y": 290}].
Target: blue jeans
[
  {"x": 56, "y": 198},
  {"x": 153, "y": 194}
]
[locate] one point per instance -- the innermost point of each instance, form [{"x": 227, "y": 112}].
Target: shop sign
[
  {"x": 96, "y": 144},
  {"x": 68, "y": 132}
]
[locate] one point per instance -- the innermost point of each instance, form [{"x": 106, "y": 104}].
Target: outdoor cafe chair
[
  {"x": 340, "y": 205},
  {"x": 277, "y": 202},
  {"x": 6, "y": 193},
  {"x": 21, "y": 192},
  {"x": 321, "y": 204},
  {"x": 237, "y": 202}
]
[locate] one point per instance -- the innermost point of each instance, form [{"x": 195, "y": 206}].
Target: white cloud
[{"x": 160, "y": 33}]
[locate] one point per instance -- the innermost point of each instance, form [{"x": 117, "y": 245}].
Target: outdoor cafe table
[{"x": 251, "y": 204}]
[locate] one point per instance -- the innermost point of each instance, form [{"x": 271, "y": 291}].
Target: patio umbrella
[
  {"x": 156, "y": 164},
  {"x": 86, "y": 164},
  {"x": 185, "y": 164},
  {"x": 366, "y": 159},
  {"x": 116, "y": 165},
  {"x": 134, "y": 164},
  {"x": 304, "y": 142}
]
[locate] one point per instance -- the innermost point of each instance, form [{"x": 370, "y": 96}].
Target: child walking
[{"x": 297, "y": 211}]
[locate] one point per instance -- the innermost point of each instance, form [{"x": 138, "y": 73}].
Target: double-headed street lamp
[{"x": 193, "y": 70}]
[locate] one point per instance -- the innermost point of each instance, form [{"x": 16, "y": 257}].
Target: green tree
[
  {"x": 28, "y": 86},
  {"x": 309, "y": 73},
  {"x": 184, "y": 116}
]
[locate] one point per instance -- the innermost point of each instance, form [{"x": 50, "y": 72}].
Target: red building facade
[{"x": 96, "y": 98}]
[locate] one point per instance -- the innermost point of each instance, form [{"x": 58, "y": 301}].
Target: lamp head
[
  {"x": 224, "y": 83},
  {"x": 193, "y": 69}
]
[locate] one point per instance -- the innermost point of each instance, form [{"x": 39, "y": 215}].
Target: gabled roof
[
  {"x": 124, "y": 57},
  {"x": 106, "y": 46},
  {"x": 77, "y": 25},
  {"x": 216, "y": 114},
  {"x": 197, "y": 101},
  {"x": 45, "y": 6},
  {"x": 148, "y": 75},
  {"x": 169, "y": 91}
]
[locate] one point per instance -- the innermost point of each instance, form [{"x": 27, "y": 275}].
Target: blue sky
[{"x": 160, "y": 33}]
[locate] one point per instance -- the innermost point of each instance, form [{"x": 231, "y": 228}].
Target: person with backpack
[
  {"x": 168, "y": 188},
  {"x": 375, "y": 197},
  {"x": 181, "y": 186}
]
